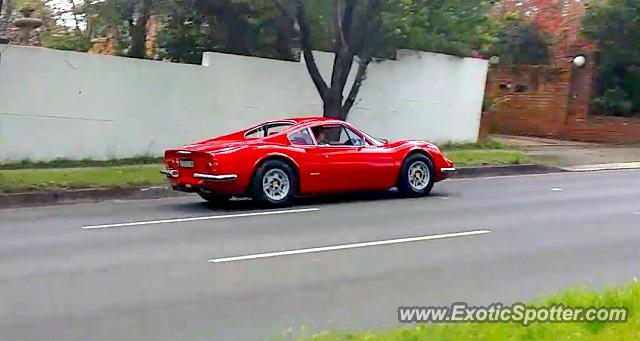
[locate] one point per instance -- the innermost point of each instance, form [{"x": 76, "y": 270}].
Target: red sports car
[{"x": 278, "y": 160}]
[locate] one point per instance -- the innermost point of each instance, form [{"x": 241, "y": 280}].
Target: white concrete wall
[
  {"x": 422, "y": 96},
  {"x": 57, "y": 104}
]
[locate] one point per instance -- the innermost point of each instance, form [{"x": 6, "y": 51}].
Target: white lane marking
[
  {"x": 180, "y": 220},
  {"x": 637, "y": 213},
  {"x": 556, "y": 189},
  {"x": 347, "y": 246}
]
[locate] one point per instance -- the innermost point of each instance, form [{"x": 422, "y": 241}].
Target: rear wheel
[
  {"x": 274, "y": 184},
  {"x": 417, "y": 176}
]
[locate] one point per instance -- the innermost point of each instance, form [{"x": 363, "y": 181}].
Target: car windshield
[{"x": 372, "y": 140}]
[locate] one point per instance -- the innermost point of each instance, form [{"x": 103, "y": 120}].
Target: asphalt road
[{"x": 69, "y": 273}]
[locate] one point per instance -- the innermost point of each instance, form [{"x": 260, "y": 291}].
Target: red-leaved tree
[{"x": 559, "y": 19}]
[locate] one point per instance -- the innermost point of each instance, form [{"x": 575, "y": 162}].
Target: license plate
[{"x": 186, "y": 163}]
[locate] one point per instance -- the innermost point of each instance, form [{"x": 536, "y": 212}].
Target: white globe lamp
[{"x": 579, "y": 61}]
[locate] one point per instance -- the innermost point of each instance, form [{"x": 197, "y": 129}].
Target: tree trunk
[
  {"x": 333, "y": 104},
  {"x": 138, "y": 33},
  {"x": 138, "y": 30},
  {"x": 346, "y": 48}
]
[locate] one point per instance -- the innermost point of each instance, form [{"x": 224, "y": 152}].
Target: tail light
[
  {"x": 213, "y": 165},
  {"x": 170, "y": 163}
]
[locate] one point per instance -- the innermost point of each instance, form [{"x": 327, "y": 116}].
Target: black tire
[
  {"x": 214, "y": 198},
  {"x": 405, "y": 186},
  {"x": 280, "y": 168}
]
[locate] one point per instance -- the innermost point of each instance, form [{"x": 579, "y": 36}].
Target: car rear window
[{"x": 267, "y": 129}]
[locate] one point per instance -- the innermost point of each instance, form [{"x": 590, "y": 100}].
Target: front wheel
[
  {"x": 417, "y": 176},
  {"x": 274, "y": 184}
]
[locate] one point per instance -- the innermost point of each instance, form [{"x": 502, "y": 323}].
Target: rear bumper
[
  {"x": 170, "y": 173},
  {"x": 173, "y": 173},
  {"x": 196, "y": 182},
  {"x": 212, "y": 177}
]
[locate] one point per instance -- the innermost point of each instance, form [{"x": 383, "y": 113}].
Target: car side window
[
  {"x": 337, "y": 135},
  {"x": 331, "y": 135},
  {"x": 301, "y": 137}
]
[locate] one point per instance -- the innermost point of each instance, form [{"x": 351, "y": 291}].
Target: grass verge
[
  {"x": 628, "y": 296},
  {"x": 480, "y": 157},
  {"x": 485, "y": 144},
  {"x": 67, "y": 163},
  {"x": 52, "y": 179}
]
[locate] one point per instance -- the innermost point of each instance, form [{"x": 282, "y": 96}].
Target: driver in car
[{"x": 321, "y": 138}]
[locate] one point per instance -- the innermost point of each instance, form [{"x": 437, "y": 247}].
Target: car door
[
  {"x": 376, "y": 163},
  {"x": 350, "y": 163},
  {"x": 311, "y": 161}
]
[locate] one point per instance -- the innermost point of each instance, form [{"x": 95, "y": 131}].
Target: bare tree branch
[
  {"x": 283, "y": 11},
  {"x": 344, "y": 53},
  {"x": 359, "y": 46},
  {"x": 309, "y": 59},
  {"x": 355, "y": 89},
  {"x": 371, "y": 32},
  {"x": 340, "y": 48}
]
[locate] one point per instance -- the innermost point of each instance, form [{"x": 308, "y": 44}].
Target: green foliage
[
  {"x": 488, "y": 144},
  {"x": 520, "y": 43},
  {"x": 618, "y": 56},
  {"x": 261, "y": 28},
  {"x": 68, "y": 163},
  {"x": 69, "y": 40},
  {"x": 125, "y": 20},
  {"x": 456, "y": 27},
  {"x": 52, "y": 179},
  {"x": 484, "y": 157},
  {"x": 491, "y": 102},
  {"x": 628, "y": 297},
  {"x": 183, "y": 37},
  {"x": 250, "y": 27}
]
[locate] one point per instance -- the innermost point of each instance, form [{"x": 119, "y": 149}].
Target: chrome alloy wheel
[
  {"x": 275, "y": 184},
  {"x": 419, "y": 175}
]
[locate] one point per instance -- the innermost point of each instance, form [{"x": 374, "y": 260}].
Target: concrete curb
[
  {"x": 60, "y": 197},
  {"x": 487, "y": 171},
  {"x": 604, "y": 166}
]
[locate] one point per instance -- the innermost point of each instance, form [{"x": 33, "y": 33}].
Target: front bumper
[{"x": 445, "y": 173}]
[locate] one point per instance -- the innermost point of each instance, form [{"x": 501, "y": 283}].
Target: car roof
[{"x": 304, "y": 120}]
